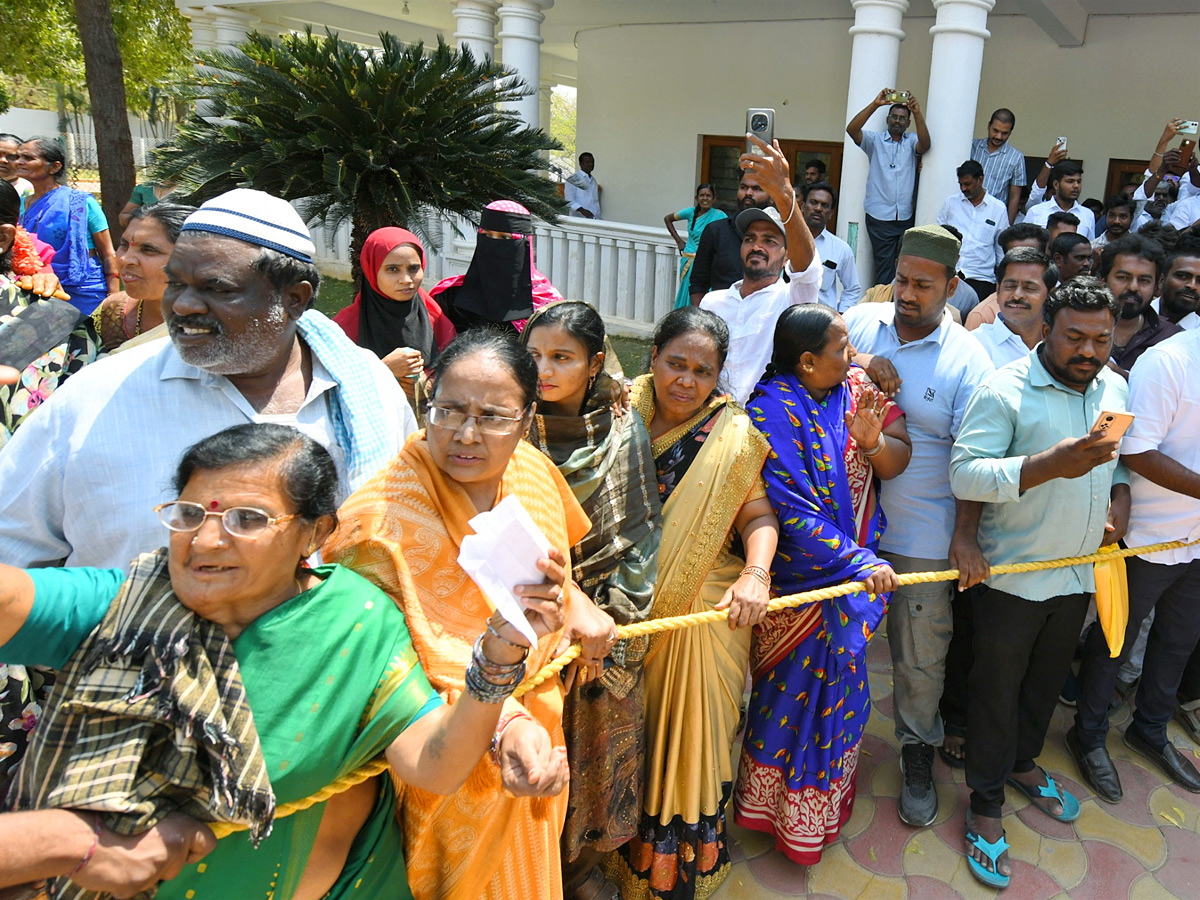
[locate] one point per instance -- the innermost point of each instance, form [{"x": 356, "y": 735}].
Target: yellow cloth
[
  {"x": 1112, "y": 600},
  {"x": 695, "y": 677},
  {"x": 402, "y": 530}
]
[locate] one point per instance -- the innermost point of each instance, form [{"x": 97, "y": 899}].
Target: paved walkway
[{"x": 1145, "y": 848}]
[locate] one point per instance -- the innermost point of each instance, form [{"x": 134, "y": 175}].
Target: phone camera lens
[{"x": 758, "y": 122}]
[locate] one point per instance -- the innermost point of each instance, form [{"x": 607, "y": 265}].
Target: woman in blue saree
[
  {"x": 71, "y": 222},
  {"x": 831, "y": 433},
  {"x": 697, "y": 217}
]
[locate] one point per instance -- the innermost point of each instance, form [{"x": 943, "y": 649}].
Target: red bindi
[{"x": 213, "y": 504}]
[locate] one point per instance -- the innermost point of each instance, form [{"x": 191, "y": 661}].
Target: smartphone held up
[{"x": 761, "y": 124}]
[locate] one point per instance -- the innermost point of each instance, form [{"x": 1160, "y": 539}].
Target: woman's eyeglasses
[
  {"x": 454, "y": 419},
  {"x": 238, "y": 521}
]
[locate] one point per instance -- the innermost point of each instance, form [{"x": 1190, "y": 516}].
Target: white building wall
[{"x": 647, "y": 93}]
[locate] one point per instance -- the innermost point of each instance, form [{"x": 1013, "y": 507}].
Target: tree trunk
[{"x": 106, "y": 89}]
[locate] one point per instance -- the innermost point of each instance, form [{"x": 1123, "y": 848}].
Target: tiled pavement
[{"x": 1145, "y": 848}]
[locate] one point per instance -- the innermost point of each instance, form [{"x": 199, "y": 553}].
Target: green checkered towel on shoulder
[{"x": 149, "y": 717}]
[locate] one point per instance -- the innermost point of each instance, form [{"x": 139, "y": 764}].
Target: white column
[
  {"x": 874, "y": 61},
  {"x": 230, "y": 26},
  {"x": 521, "y": 51},
  {"x": 204, "y": 35},
  {"x": 475, "y": 26},
  {"x": 954, "y": 73},
  {"x": 545, "y": 92}
]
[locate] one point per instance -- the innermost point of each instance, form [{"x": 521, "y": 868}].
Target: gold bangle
[
  {"x": 758, "y": 572},
  {"x": 876, "y": 450}
]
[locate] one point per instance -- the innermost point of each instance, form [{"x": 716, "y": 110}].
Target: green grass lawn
[{"x": 336, "y": 294}]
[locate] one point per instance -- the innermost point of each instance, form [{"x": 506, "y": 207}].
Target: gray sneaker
[{"x": 918, "y": 798}]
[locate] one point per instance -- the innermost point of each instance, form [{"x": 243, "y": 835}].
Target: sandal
[
  {"x": 992, "y": 850},
  {"x": 1049, "y": 791},
  {"x": 954, "y": 762}
]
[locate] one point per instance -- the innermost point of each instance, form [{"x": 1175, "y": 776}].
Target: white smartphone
[
  {"x": 1061, "y": 142},
  {"x": 1189, "y": 127},
  {"x": 1114, "y": 424},
  {"x": 761, "y": 124}
]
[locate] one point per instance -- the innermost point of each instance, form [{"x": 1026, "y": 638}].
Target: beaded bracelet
[
  {"x": 758, "y": 572},
  {"x": 92, "y": 851},
  {"x": 501, "y": 727}
]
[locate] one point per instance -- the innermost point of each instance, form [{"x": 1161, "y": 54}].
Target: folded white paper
[{"x": 503, "y": 553}]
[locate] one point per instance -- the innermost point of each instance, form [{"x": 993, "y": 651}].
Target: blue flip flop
[
  {"x": 992, "y": 851},
  {"x": 1049, "y": 791}
]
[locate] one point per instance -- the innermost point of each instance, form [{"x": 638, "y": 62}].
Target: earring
[{"x": 591, "y": 381}]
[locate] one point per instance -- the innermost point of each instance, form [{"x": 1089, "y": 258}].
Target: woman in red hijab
[{"x": 391, "y": 316}]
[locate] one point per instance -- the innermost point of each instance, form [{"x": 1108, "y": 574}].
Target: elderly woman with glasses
[
  {"x": 498, "y": 837},
  {"x": 223, "y": 678}
]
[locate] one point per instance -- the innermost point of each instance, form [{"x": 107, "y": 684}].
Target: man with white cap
[
  {"x": 84, "y": 473},
  {"x": 772, "y": 244}
]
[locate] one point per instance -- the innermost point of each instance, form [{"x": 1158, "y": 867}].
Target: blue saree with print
[{"x": 810, "y": 698}]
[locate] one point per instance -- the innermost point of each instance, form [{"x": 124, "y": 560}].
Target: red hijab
[{"x": 382, "y": 324}]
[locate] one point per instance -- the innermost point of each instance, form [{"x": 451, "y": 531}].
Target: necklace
[{"x": 137, "y": 329}]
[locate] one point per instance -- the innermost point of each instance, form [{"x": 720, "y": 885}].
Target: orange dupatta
[{"x": 402, "y": 530}]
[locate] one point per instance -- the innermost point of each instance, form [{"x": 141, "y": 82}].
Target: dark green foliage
[{"x": 393, "y": 136}]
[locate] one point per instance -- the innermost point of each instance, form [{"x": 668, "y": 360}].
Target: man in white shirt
[
  {"x": 1066, "y": 181},
  {"x": 771, "y": 246},
  {"x": 1025, "y": 279},
  {"x": 1118, "y": 218},
  {"x": 83, "y": 474},
  {"x": 1162, "y": 449},
  {"x": 1180, "y": 298},
  {"x": 837, "y": 259},
  {"x": 979, "y": 218},
  {"x": 582, "y": 191}
]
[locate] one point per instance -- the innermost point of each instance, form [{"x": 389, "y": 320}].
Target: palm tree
[{"x": 393, "y": 136}]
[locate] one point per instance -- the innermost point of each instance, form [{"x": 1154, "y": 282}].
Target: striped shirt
[{"x": 1001, "y": 169}]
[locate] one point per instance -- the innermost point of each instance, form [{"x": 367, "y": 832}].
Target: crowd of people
[{"x": 784, "y": 437}]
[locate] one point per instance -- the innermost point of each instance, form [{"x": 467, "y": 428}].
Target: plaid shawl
[{"x": 149, "y": 717}]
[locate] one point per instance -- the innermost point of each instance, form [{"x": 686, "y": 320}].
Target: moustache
[
  {"x": 180, "y": 322},
  {"x": 756, "y": 255},
  {"x": 1083, "y": 362}
]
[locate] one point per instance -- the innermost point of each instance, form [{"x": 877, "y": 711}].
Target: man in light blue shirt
[
  {"x": 892, "y": 177},
  {"x": 837, "y": 259},
  {"x": 930, "y": 365},
  {"x": 1050, "y": 487}
]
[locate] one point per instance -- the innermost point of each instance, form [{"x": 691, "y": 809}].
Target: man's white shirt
[
  {"x": 980, "y": 227},
  {"x": 83, "y": 474},
  {"x": 751, "y": 322},
  {"x": 1040, "y": 214},
  {"x": 1002, "y": 343},
  {"x": 837, "y": 264}
]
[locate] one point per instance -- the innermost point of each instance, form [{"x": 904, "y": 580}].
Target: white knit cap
[{"x": 257, "y": 218}]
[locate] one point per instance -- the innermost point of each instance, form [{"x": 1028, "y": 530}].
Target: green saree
[{"x": 331, "y": 678}]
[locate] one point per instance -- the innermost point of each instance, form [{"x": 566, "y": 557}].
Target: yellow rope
[{"x": 692, "y": 620}]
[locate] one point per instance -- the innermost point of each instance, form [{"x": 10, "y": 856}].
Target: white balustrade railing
[{"x": 628, "y": 272}]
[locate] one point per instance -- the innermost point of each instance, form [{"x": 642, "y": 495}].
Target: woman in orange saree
[{"x": 498, "y": 836}]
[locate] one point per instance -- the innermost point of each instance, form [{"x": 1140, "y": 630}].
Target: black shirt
[{"x": 718, "y": 258}]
